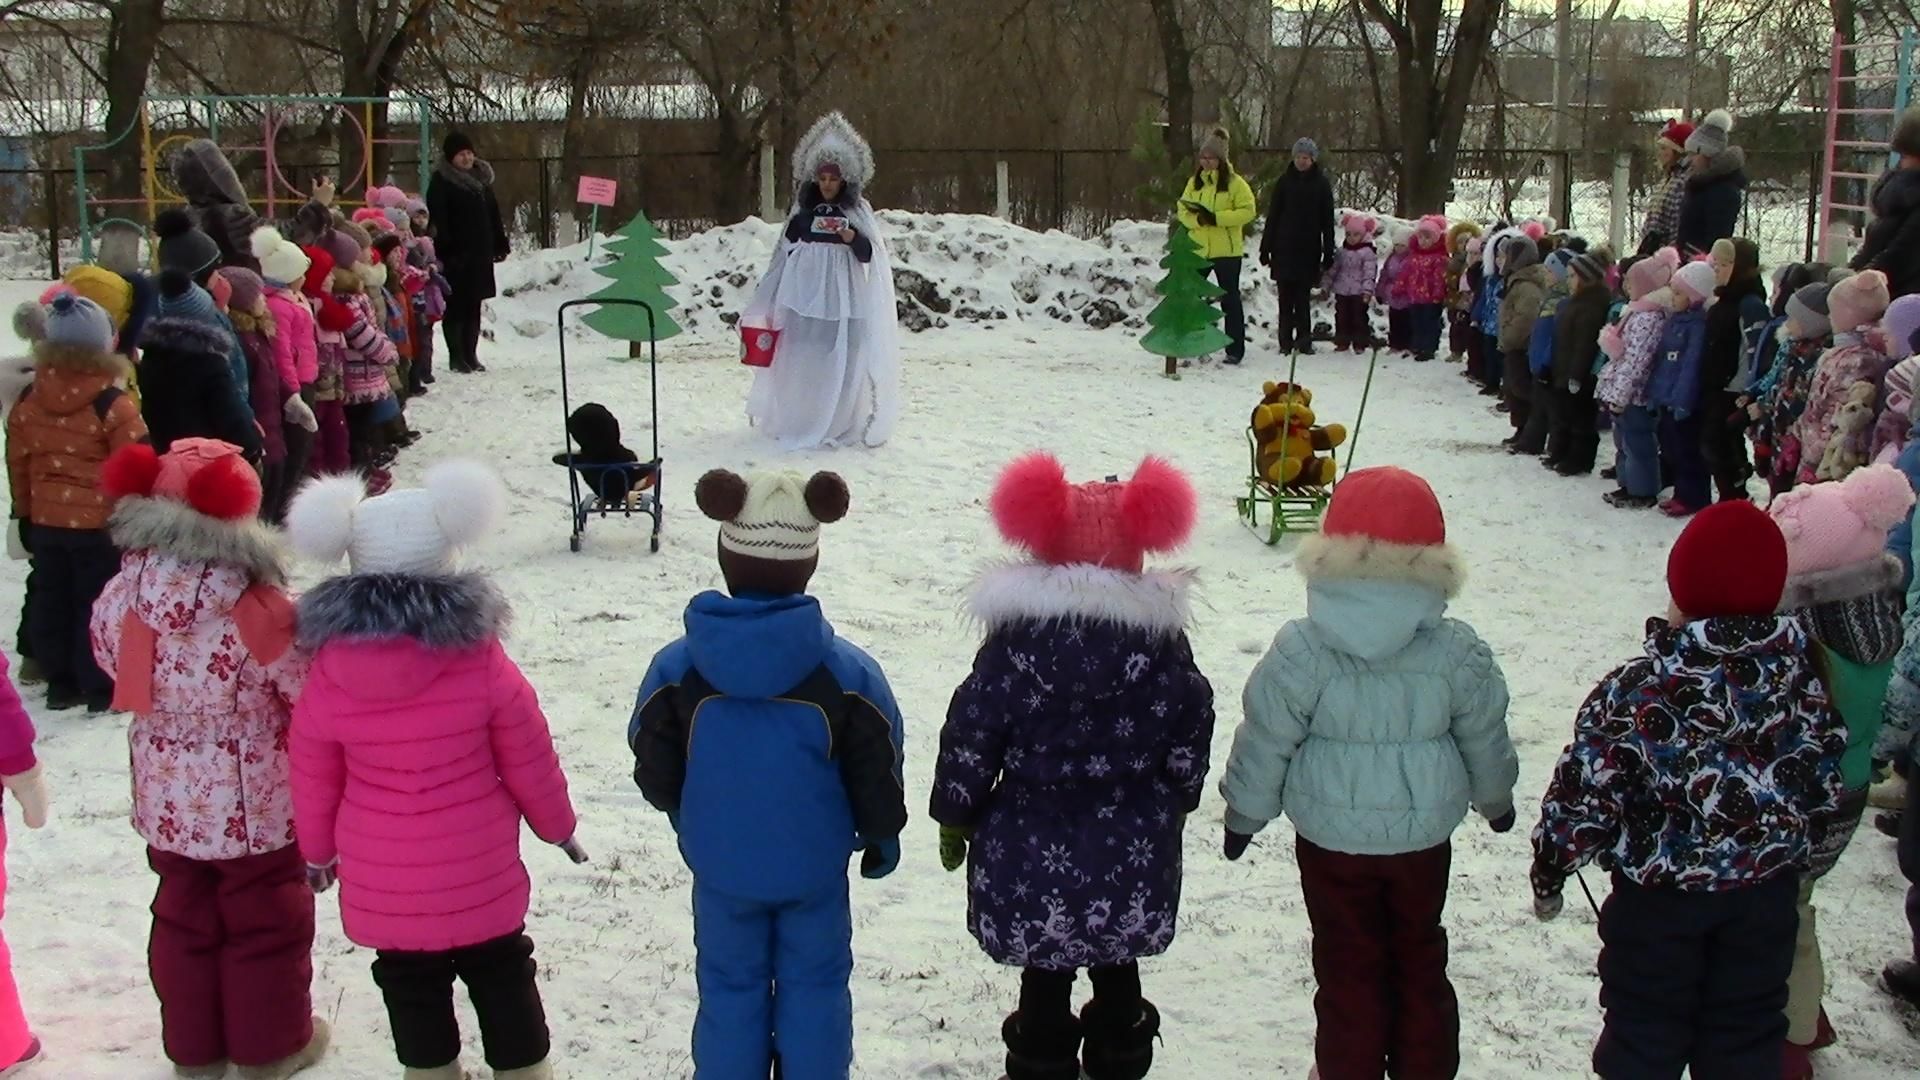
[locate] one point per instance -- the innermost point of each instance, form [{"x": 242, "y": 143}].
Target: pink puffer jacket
[
  {"x": 296, "y": 338},
  {"x": 418, "y": 747},
  {"x": 210, "y": 768}
]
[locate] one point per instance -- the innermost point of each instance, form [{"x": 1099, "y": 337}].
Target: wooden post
[
  {"x": 769, "y": 198},
  {"x": 1622, "y": 187},
  {"x": 1003, "y": 197}
]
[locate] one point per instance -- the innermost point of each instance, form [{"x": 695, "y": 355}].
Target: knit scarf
[{"x": 1865, "y": 629}]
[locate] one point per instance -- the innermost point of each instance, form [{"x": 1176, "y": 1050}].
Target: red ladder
[{"x": 1878, "y": 69}]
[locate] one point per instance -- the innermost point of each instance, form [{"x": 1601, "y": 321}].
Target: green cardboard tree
[
  {"x": 637, "y": 275},
  {"x": 1184, "y": 320}
]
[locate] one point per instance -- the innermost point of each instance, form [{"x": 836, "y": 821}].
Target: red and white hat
[{"x": 1384, "y": 524}]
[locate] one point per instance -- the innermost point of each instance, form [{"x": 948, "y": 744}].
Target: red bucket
[{"x": 760, "y": 343}]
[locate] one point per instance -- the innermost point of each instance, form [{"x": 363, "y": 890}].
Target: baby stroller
[{"x": 597, "y": 488}]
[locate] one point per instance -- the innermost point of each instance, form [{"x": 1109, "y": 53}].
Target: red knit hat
[
  {"x": 1676, "y": 134},
  {"x": 1386, "y": 503},
  {"x": 1730, "y": 560}
]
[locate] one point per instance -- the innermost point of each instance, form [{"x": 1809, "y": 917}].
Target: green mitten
[{"x": 953, "y": 846}]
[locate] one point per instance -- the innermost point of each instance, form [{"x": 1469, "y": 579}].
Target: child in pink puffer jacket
[
  {"x": 20, "y": 773},
  {"x": 418, "y": 748},
  {"x": 198, "y": 636},
  {"x": 296, "y": 355}
]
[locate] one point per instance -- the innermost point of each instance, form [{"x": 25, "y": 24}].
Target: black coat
[
  {"x": 1893, "y": 238},
  {"x": 186, "y": 387},
  {"x": 467, "y": 232},
  {"x": 1710, "y": 208},
  {"x": 1740, "y": 305},
  {"x": 1576, "y": 337},
  {"x": 1297, "y": 243}
]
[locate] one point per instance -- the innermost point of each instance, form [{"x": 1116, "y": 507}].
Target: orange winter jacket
[{"x": 60, "y": 434}]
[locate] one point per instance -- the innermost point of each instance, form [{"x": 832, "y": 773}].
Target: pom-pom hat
[
  {"x": 416, "y": 531},
  {"x": 1713, "y": 135},
  {"x": 1731, "y": 560},
  {"x": 1858, "y": 301},
  {"x": 1111, "y": 523},
  {"x": 1840, "y": 528},
  {"x": 1675, "y": 135},
  {"x": 1695, "y": 281},
  {"x": 770, "y": 526},
  {"x": 77, "y": 323},
  {"x": 1384, "y": 524},
  {"x": 282, "y": 263}
]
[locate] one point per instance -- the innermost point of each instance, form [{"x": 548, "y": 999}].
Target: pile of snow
[{"x": 949, "y": 269}]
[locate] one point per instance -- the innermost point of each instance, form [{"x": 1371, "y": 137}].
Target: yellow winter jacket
[{"x": 1233, "y": 211}]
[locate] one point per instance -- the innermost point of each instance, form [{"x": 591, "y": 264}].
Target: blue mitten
[{"x": 882, "y": 857}]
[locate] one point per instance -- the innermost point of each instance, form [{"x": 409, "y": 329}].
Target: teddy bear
[
  {"x": 1290, "y": 444},
  {"x": 1852, "y": 425}
]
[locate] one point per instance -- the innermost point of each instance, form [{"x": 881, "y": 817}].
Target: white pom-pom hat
[{"x": 415, "y": 531}]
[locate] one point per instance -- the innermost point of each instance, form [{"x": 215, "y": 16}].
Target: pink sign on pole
[{"x": 597, "y": 190}]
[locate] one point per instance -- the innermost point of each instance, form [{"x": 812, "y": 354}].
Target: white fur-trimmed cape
[{"x": 1159, "y": 601}]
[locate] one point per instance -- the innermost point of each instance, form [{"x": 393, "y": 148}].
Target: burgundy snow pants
[
  {"x": 231, "y": 957},
  {"x": 1384, "y": 1006}
]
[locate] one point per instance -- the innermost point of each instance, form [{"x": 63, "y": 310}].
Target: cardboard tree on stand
[
  {"x": 637, "y": 275},
  {"x": 1184, "y": 320}
]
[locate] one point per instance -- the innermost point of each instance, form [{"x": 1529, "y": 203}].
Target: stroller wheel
[{"x": 573, "y": 543}]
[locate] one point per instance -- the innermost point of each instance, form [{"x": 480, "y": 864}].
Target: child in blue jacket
[
  {"x": 1676, "y": 388},
  {"x": 770, "y": 802}
]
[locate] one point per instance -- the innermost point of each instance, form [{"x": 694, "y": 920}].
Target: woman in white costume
[{"x": 835, "y": 376}]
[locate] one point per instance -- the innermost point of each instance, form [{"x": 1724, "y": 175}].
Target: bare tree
[
  {"x": 1177, "y": 57},
  {"x": 1436, "y": 80}
]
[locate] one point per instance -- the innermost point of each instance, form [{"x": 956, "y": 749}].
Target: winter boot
[
  {"x": 1823, "y": 1035},
  {"x": 1888, "y": 794},
  {"x": 450, "y": 1071},
  {"x": 215, "y": 1071},
  {"x": 1902, "y": 978},
  {"x": 299, "y": 1061},
  {"x": 29, "y": 673},
  {"x": 1796, "y": 1062},
  {"x": 539, "y": 1070},
  {"x": 1040, "y": 1053},
  {"x": 1119, "y": 1047}
]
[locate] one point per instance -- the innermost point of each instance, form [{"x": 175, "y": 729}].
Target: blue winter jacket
[
  {"x": 1486, "y": 308},
  {"x": 1374, "y": 723},
  {"x": 794, "y": 762},
  {"x": 1540, "y": 346},
  {"x": 1900, "y": 537},
  {"x": 1675, "y": 384}
]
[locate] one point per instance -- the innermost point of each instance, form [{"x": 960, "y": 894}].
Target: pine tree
[
  {"x": 1184, "y": 322},
  {"x": 637, "y": 275}
]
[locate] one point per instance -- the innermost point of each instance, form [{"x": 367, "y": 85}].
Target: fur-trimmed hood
[
  {"x": 142, "y": 522},
  {"x": 455, "y": 611},
  {"x": 1158, "y": 601},
  {"x": 1326, "y": 558},
  {"x": 1877, "y": 575},
  {"x": 174, "y": 334},
  {"x": 1728, "y": 164},
  {"x": 475, "y": 179},
  {"x": 80, "y": 361}
]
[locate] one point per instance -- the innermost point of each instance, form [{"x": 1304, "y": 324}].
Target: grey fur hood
[
  {"x": 205, "y": 176},
  {"x": 1730, "y": 162},
  {"x": 1878, "y": 575},
  {"x": 474, "y": 179},
  {"x": 142, "y": 522},
  {"x": 454, "y": 611},
  {"x": 179, "y": 335}
]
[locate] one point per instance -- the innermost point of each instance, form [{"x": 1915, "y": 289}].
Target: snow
[{"x": 1562, "y": 586}]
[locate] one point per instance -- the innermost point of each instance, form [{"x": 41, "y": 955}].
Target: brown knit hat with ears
[
  {"x": 770, "y": 526},
  {"x": 1906, "y": 133},
  {"x": 1217, "y": 143}
]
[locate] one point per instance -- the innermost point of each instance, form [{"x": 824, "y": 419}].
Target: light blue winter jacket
[{"x": 1373, "y": 723}]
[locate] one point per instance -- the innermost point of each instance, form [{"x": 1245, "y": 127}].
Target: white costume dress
[{"x": 835, "y": 376}]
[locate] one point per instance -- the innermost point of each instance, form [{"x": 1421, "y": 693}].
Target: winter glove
[
  {"x": 1204, "y": 217},
  {"x": 1503, "y": 823},
  {"x": 321, "y": 878},
  {"x": 574, "y": 851},
  {"x": 1236, "y": 845},
  {"x": 30, "y": 791},
  {"x": 881, "y": 858},
  {"x": 1546, "y": 907},
  {"x": 323, "y": 191},
  {"x": 19, "y": 545},
  {"x": 1547, "y": 885},
  {"x": 300, "y": 414},
  {"x": 953, "y": 846}
]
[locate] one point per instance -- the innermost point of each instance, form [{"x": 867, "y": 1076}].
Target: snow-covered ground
[{"x": 1561, "y": 587}]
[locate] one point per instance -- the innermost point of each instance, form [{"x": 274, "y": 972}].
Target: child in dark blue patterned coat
[
  {"x": 1071, "y": 757},
  {"x": 1699, "y": 774}
]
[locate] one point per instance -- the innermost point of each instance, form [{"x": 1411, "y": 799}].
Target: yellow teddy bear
[{"x": 1293, "y": 450}]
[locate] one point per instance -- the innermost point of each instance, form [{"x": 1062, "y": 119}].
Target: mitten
[
  {"x": 574, "y": 851},
  {"x": 1547, "y": 884},
  {"x": 881, "y": 858},
  {"x": 321, "y": 878},
  {"x": 300, "y": 414},
  {"x": 17, "y": 542},
  {"x": 1236, "y": 845},
  {"x": 30, "y": 791},
  {"x": 953, "y": 846},
  {"x": 1547, "y": 907},
  {"x": 1503, "y": 823}
]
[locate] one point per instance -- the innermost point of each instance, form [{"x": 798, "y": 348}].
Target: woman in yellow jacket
[{"x": 1216, "y": 208}]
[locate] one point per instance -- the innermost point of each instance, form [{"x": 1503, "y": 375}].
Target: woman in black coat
[
  {"x": 1297, "y": 243},
  {"x": 469, "y": 239},
  {"x": 1892, "y": 243},
  {"x": 1716, "y": 187}
]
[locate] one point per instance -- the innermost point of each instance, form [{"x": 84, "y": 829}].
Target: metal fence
[{"x": 1081, "y": 192}]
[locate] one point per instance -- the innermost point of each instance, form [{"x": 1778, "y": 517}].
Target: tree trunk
[
  {"x": 1178, "y": 57},
  {"x": 733, "y": 168},
  {"x": 787, "y": 77},
  {"x": 1433, "y": 107},
  {"x": 133, "y": 37},
  {"x": 573, "y": 136}
]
